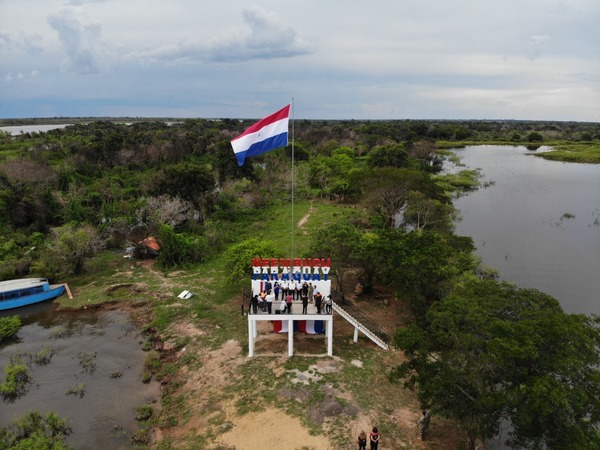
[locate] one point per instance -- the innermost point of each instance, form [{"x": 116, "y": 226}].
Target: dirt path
[{"x": 304, "y": 219}]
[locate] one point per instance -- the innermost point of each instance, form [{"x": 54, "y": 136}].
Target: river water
[
  {"x": 537, "y": 222},
  {"x": 100, "y": 351},
  {"x": 18, "y": 129}
]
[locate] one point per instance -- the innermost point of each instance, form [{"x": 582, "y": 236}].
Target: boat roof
[{"x": 23, "y": 283}]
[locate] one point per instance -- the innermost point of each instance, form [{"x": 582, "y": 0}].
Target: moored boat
[{"x": 27, "y": 291}]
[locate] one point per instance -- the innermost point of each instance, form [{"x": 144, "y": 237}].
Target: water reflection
[
  {"x": 537, "y": 222},
  {"x": 104, "y": 417}
]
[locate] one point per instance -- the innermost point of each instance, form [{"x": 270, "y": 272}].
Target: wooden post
[{"x": 69, "y": 294}]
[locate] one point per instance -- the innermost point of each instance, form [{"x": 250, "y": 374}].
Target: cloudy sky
[{"x": 338, "y": 59}]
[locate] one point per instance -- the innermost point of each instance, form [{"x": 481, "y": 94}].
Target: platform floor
[{"x": 296, "y": 309}]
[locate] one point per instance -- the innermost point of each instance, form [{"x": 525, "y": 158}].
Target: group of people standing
[
  {"x": 373, "y": 439},
  {"x": 290, "y": 291}
]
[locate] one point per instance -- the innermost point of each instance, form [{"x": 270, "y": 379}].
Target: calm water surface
[
  {"x": 105, "y": 416},
  {"x": 538, "y": 223},
  {"x": 18, "y": 129}
]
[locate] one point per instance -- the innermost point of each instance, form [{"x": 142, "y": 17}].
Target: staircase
[{"x": 358, "y": 326}]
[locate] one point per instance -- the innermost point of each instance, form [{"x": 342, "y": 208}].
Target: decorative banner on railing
[{"x": 301, "y": 326}]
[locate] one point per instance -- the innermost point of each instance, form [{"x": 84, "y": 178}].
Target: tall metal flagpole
[{"x": 293, "y": 183}]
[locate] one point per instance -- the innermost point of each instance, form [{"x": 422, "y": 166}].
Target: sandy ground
[{"x": 271, "y": 429}]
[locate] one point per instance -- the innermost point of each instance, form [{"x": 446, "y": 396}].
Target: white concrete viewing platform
[{"x": 312, "y": 322}]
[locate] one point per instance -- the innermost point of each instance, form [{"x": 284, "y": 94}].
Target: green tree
[
  {"x": 427, "y": 213},
  {"x": 386, "y": 191},
  {"x": 491, "y": 353},
  {"x": 372, "y": 256},
  {"x": 180, "y": 249},
  {"x": 389, "y": 155},
  {"x": 67, "y": 249},
  {"x": 338, "y": 241},
  {"x": 427, "y": 262},
  {"x": 185, "y": 180},
  {"x": 238, "y": 258}
]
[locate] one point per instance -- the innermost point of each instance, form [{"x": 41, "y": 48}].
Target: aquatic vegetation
[
  {"x": 43, "y": 356},
  {"x": 17, "y": 381},
  {"x": 78, "y": 390},
  {"x": 86, "y": 361},
  {"x": 9, "y": 327},
  {"x": 34, "y": 431},
  {"x": 143, "y": 412}
]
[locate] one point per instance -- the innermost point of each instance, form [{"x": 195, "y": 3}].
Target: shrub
[
  {"x": 9, "y": 327},
  {"x": 16, "y": 382}
]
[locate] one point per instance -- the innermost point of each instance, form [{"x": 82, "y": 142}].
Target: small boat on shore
[{"x": 27, "y": 291}]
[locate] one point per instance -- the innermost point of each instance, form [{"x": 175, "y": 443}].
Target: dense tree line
[{"x": 480, "y": 352}]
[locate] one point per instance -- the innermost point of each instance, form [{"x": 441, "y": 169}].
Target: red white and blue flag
[{"x": 265, "y": 135}]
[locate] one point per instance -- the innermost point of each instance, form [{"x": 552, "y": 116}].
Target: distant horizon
[{"x": 168, "y": 118}]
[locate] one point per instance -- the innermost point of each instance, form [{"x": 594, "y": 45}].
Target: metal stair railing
[{"x": 342, "y": 312}]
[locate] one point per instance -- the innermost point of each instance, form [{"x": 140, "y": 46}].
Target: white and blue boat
[{"x": 27, "y": 291}]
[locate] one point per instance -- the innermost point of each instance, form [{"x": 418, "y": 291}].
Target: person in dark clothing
[
  {"x": 362, "y": 441},
  {"x": 254, "y": 303},
  {"x": 288, "y": 301},
  {"x": 305, "y": 288},
  {"x": 304, "y": 304},
  {"x": 318, "y": 301},
  {"x": 424, "y": 424},
  {"x": 374, "y": 438}
]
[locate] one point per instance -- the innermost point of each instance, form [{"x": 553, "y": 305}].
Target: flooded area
[
  {"x": 93, "y": 378},
  {"x": 537, "y": 222}
]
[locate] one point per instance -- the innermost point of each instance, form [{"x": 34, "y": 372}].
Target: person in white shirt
[
  {"x": 284, "y": 288},
  {"x": 298, "y": 290},
  {"x": 270, "y": 298}
]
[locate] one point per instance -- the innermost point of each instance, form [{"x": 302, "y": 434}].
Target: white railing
[{"x": 359, "y": 326}]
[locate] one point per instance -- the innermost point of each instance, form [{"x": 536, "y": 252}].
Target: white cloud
[
  {"x": 265, "y": 37},
  {"x": 80, "y": 39}
]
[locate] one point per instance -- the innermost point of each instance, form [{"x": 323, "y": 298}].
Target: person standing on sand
[
  {"x": 374, "y": 437},
  {"x": 362, "y": 441}
]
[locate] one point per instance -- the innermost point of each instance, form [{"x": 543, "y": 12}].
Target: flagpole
[{"x": 293, "y": 183}]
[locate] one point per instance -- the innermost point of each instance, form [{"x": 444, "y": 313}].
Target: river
[
  {"x": 99, "y": 352},
  {"x": 537, "y": 222}
]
